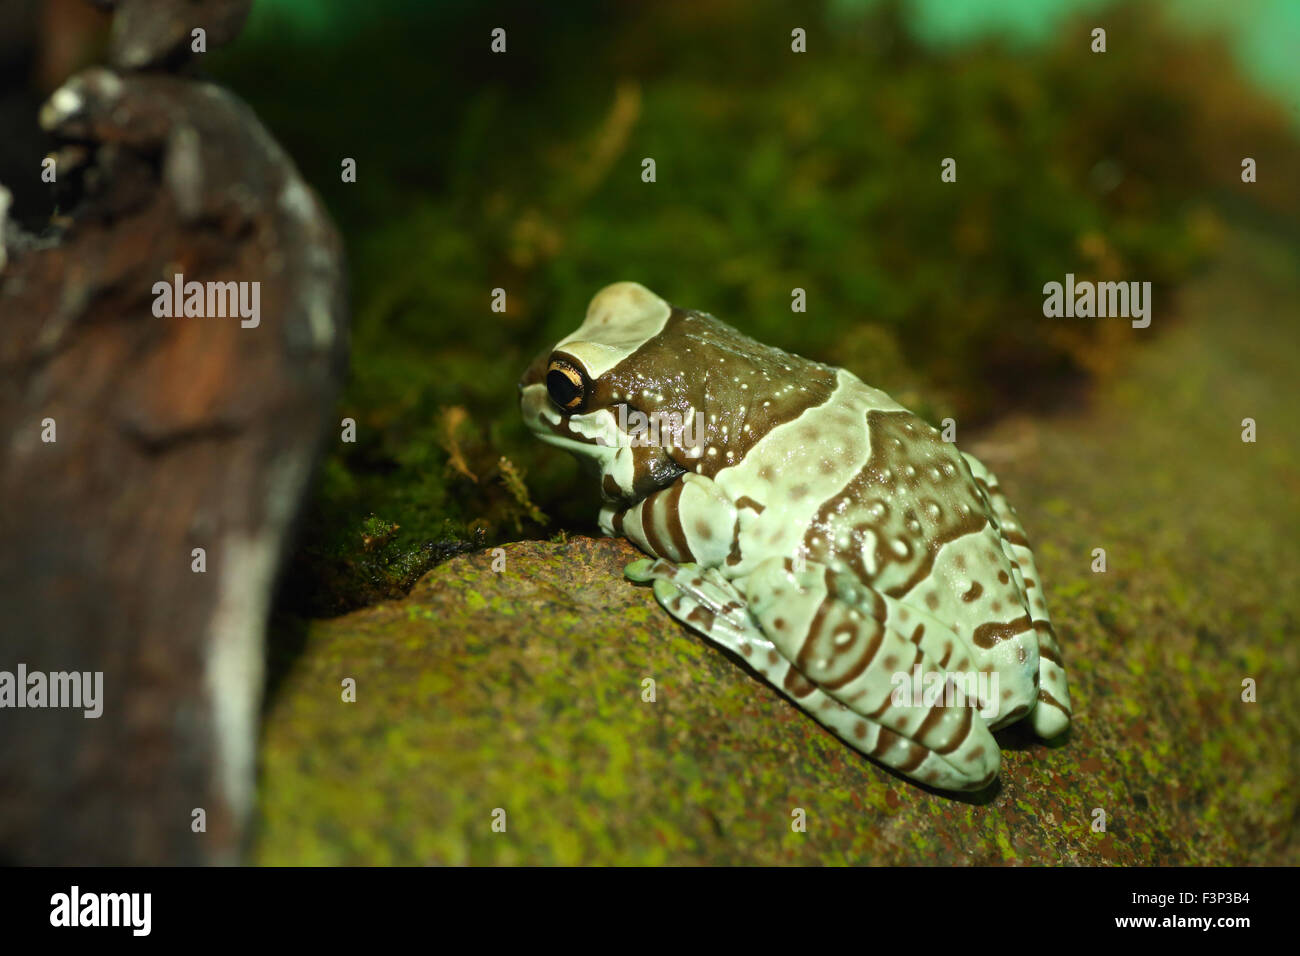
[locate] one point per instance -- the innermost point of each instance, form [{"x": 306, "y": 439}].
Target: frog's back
[
  {"x": 863, "y": 486},
  {"x": 915, "y": 523}
]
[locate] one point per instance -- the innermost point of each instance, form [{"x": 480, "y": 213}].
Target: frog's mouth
[{"x": 629, "y": 468}]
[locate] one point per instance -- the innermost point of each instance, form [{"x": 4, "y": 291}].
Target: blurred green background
[{"x": 775, "y": 170}]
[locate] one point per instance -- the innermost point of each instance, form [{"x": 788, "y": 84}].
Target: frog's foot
[
  {"x": 1050, "y": 715},
  {"x": 847, "y": 661},
  {"x": 704, "y": 600}
]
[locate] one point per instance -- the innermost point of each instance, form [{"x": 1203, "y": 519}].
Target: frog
[{"x": 811, "y": 527}]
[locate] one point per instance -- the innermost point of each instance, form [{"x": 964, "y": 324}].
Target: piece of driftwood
[{"x": 152, "y": 465}]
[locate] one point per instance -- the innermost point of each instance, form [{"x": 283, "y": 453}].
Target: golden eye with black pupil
[{"x": 566, "y": 386}]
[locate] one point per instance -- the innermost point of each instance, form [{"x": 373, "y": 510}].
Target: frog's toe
[
  {"x": 1051, "y": 716},
  {"x": 1049, "y": 719},
  {"x": 704, "y": 601},
  {"x": 640, "y": 571}
]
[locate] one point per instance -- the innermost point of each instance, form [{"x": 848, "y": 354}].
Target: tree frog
[{"x": 813, "y": 527}]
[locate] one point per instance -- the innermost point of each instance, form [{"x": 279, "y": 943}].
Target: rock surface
[{"x": 520, "y": 689}]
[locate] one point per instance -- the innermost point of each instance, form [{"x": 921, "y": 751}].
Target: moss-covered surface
[{"x": 521, "y": 688}]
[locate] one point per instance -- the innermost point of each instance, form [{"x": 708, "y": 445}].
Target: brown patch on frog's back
[
  {"x": 904, "y": 471},
  {"x": 733, "y": 372}
]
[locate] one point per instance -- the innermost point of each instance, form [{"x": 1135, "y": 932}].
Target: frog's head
[
  {"x": 581, "y": 394},
  {"x": 643, "y": 392}
]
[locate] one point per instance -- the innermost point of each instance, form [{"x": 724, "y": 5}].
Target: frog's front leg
[
  {"x": 825, "y": 643},
  {"x": 690, "y": 520}
]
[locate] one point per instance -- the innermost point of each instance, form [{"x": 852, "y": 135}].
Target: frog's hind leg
[
  {"x": 947, "y": 747},
  {"x": 1051, "y": 714}
]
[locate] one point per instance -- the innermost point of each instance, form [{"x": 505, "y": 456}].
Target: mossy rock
[{"x": 522, "y": 688}]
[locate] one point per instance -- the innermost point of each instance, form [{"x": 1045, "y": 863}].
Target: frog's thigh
[
  {"x": 936, "y": 638},
  {"x": 1051, "y": 713},
  {"x": 836, "y": 656},
  {"x": 945, "y": 747}
]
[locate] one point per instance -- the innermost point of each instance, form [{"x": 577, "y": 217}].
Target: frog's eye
[{"x": 567, "y": 386}]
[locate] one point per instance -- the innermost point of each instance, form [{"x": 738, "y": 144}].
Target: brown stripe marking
[
  {"x": 733, "y": 557},
  {"x": 1046, "y": 697},
  {"x": 797, "y": 684},
  {"x": 879, "y": 711},
  {"x": 654, "y": 541},
  {"x": 932, "y": 719},
  {"x": 887, "y": 739},
  {"x": 1047, "y": 644},
  {"x": 671, "y": 504},
  {"x": 701, "y": 617},
  {"x": 976, "y": 589},
  {"x": 1015, "y": 537},
  {"x": 866, "y": 654},
  {"x": 992, "y": 633},
  {"x": 963, "y": 731}
]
